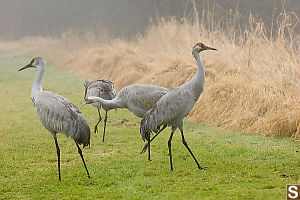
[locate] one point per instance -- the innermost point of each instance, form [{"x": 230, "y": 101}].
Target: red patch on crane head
[{"x": 200, "y": 44}]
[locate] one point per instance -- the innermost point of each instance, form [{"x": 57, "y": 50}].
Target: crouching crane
[
  {"x": 103, "y": 89},
  {"x": 138, "y": 99}
]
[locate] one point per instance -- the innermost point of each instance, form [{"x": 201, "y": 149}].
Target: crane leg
[
  {"x": 58, "y": 155},
  {"x": 148, "y": 139},
  {"x": 80, "y": 153},
  {"x": 148, "y": 144},
  {"x": 105, "y": 120},
  {"x": 186, "y": 145},
  {"x": 169, "y": 145},
  {"x": 100, "y": 118}
]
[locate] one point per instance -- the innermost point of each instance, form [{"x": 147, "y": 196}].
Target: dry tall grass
[{"x": 252, "y": 81}]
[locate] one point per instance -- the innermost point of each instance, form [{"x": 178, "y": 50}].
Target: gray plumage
[
  {"x": 58, "y": 114},
  {"x": 137, "y": 98},
  {"x": 103, "y": 89},
  {"x": 171, "y": 109}
]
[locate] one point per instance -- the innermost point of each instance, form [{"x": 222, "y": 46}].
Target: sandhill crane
[
  {"x": 100, "y": 88},
  {"x": 174, "y": 106},
  {"x": 137, "y": 98},
  {"x": 58, "y": 114}
]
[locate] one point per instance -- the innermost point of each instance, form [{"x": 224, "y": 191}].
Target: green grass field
[{"x": 240, "y": 165}]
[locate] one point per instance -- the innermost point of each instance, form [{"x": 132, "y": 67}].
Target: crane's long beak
[
  {"x": 87, "y": 102},
  {"x": 210, "y": 48},
  {"x": 27, "y": 66}
]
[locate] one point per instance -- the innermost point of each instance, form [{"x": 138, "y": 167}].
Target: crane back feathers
[
  {"x": 101, "y": 88},
  {"x": 59, "y": 115}
]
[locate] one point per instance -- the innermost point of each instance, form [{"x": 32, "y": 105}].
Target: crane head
[
  {"x": 35, "y": 63},
  {"x": 201, "y": 47},
  {"x": 88, "y": 100},
  {"x": 87, "y": 83}
]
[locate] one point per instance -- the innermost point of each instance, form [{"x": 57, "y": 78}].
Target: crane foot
[{"x": 96, "y": 129}]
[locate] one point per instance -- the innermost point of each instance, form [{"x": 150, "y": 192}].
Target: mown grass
[{"x": 240, "y": 165}]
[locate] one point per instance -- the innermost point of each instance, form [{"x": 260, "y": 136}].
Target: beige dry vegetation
[{"x": 252, "y": 81}]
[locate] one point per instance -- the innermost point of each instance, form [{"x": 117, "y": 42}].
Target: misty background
[
  {"x": 252, "y": 81},
  {"x": 123, "y": 18}
]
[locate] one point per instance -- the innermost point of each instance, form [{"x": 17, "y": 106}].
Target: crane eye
[{"x": 32, "y": 61}]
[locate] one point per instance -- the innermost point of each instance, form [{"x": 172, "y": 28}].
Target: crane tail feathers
[
  {"x": 82, "y": 135},
  {"x": 144, "y": 128},
  {"x": 148, "y": 124}
]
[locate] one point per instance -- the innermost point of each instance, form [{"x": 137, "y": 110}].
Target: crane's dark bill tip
[
  {"x": 27, "y": 66},
  {"x": 210, "y": 48}
]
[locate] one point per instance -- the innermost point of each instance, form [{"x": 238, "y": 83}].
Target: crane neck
[
  {"x": 196, "y": 84},
  {"x": 37, "y": 84},
  {"x": 200, "y": 74}
]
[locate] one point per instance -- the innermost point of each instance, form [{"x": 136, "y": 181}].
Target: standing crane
[
  {"x": 171, "y": 109},
  {"x": 58, "y": 114},
  {"x": 103, "y": 89},
  {"x": 138, "y": 99}
]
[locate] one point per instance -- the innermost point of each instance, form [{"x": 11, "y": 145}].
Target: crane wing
[
  {"x": 167, "y": 111},
  {"x": 60, "y": 115},
  {"x": 145, "y": 96}
]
